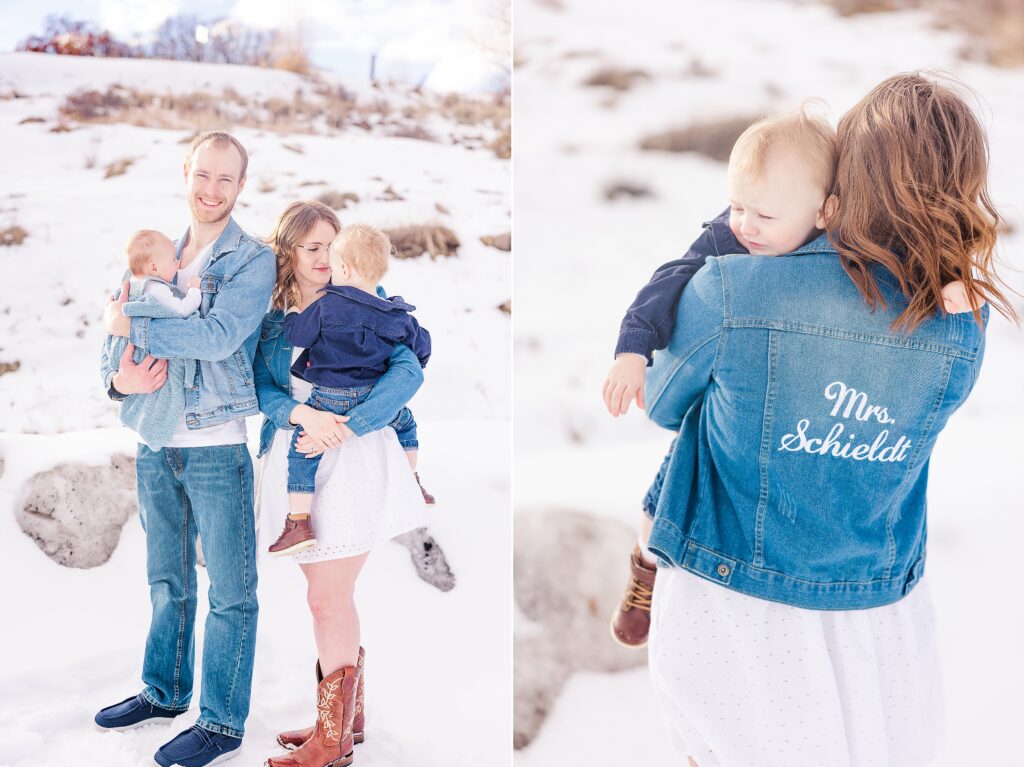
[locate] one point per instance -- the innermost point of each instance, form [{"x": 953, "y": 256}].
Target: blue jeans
[
  {"x": 302, "y": 470},
  {"x": 209, "y": 491},
  {"x": 405, "y": 427},
  {"x": 650, "y": 503}
]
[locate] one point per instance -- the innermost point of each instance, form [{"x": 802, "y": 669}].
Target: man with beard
[{"x": 202, "y": 482}]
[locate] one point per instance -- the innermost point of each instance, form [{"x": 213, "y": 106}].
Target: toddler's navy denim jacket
[
  {"x": 349, "y": 335},
  {"x": 649, "y": 320}
]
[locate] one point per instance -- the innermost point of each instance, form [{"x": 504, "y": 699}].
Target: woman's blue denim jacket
[
  {"x": 272, "y": 370},
  {"x": 236, "y": 284},
  {"x": 807, "y": 424}
]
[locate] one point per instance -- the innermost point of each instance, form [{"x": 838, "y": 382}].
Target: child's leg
[
  {"x": 650, "y": 505},
  {"x": 631, "y": 622},
  {"x": 410, "y": 453}
]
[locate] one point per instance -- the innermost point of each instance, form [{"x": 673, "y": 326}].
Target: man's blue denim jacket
[
  {"x": 273, "y": 384},
  {"x": 349, "y": 334},
  {"x": 807, "y": 427},
  {"x": 650, "y": 319},
  {"x": 236, "y": 284}
]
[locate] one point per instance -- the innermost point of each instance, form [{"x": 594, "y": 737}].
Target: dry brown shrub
[
  {"x": 118, "y": 167},
  {"x": 620, "y": 189},
  {"x": 30, "y": 120},
  {"x": 314, "y": 183},
  {"x": 9, "y": 367},
  {"x": 996, "y": 27},
  {"x": 12, "y": 235},
  {"x": 417, "y": 132},
  {"x": 499, "y": 241},
  {"x": 337, "y": 200},
  {"x": 414, "y": 241},
  {"x": 294, "y": 148},
  {"x": 616, "y": 78},
  {"x": 713, "y": 138},
  {"x": 390, "y": 195},
  {"x": 501, "y": 145},
  {"x": 441, "y": 209},
  {"x": 267, "y": 185},
  {"x": 506, "y": 306},
  {"x": 61, "y": 127}
]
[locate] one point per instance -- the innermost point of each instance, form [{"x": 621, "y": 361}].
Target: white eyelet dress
[
  {"x": 365, "y": 492},
  {"x": 745, "y": 682}
]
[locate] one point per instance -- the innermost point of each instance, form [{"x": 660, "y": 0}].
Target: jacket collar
[
  {"x": 227, "y": 242},
  {"x": 820, "y": 244},
  {"x": 355, "y": 294}
]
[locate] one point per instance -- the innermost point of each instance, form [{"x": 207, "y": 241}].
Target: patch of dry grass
[
  {"x": 505, "y": 306},
  {"x": 996, "y": 27},
  {"x": 626, "y": 189},
  {"x": 31, "y": 120},
  {"x": 616, "y": 78},
  {"x": 118, "y": 167},
  {"x": 337, "y": 200},
  {"x": 499, "y": 241},
  {"x": 9, "y": 367},
  {"x": 713, "y": 138},
  {"x": 12, "y": 235},
  {"x": 414, "y": 241}
]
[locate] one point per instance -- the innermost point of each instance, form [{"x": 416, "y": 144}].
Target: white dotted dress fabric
[
  {"x": 365, "y": 493},
  {"x": 745, "y": 682}
]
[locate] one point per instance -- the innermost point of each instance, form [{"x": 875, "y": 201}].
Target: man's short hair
[{"x": 218, "y": 139}]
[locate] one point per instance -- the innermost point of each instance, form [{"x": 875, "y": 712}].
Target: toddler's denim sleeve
[
  {"x": 303, "y": 328},
  {"x": 650, "y": 318}
]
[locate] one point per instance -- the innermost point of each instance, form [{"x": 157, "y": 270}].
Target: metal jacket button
[{"x": 723, "y": 570}]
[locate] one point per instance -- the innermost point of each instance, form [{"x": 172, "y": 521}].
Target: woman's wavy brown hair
[
  {"x": 297, "y": 221},
  {"x": 912, "y": 189}
]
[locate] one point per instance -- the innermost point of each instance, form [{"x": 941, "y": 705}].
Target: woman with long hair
[
  {"x": 365, "y": 490},
  {"x": 792, "y": 623}
]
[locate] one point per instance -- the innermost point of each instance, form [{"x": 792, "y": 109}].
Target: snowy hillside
[
  {"x": 595, "y": 215},
  {"x": 80, "y": 633}
]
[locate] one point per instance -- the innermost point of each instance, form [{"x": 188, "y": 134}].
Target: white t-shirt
[
  {"x": 163, "y": 296},
  {"x": 228, "y": 433}
]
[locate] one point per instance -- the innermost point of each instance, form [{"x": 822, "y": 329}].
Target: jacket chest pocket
[{"x": 209, "y": 286}]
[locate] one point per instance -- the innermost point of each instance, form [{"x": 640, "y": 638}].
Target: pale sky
[{"x": 409, "y": 36}]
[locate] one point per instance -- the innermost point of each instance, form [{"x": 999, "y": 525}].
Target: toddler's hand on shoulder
[
  {"x": 955, "y": 299},
  {"x": 625, "y": 383}
]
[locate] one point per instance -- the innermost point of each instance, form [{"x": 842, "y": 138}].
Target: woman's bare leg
[{"x": 330, "y": 589}]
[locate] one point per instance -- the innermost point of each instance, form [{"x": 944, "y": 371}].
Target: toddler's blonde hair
[
  {"x": 809, "y": 136},
  {"x": 142, "y": 249},
  {"x": 364, "y": 248}
]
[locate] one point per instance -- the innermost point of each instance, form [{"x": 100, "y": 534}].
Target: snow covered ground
[
  {"x": 438, "y": 677},
  {"x": 583, "y": 257}
]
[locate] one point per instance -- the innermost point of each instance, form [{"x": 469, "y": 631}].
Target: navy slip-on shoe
[
  {"x": 196, "y": 747},
  {"x": 133, "y": 712}
]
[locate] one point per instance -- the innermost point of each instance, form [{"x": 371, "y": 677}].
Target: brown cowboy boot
[
  {"x": 331, "y": 742},
  {"x": 632, "y": 621},
  {"x": 292, "y": 739}
]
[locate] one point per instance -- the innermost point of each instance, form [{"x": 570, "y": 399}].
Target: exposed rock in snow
[
  {"x": 570, "y": 572},
  {"x": 428, "y": 558},
  {"x": 75, "y": 512}
]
